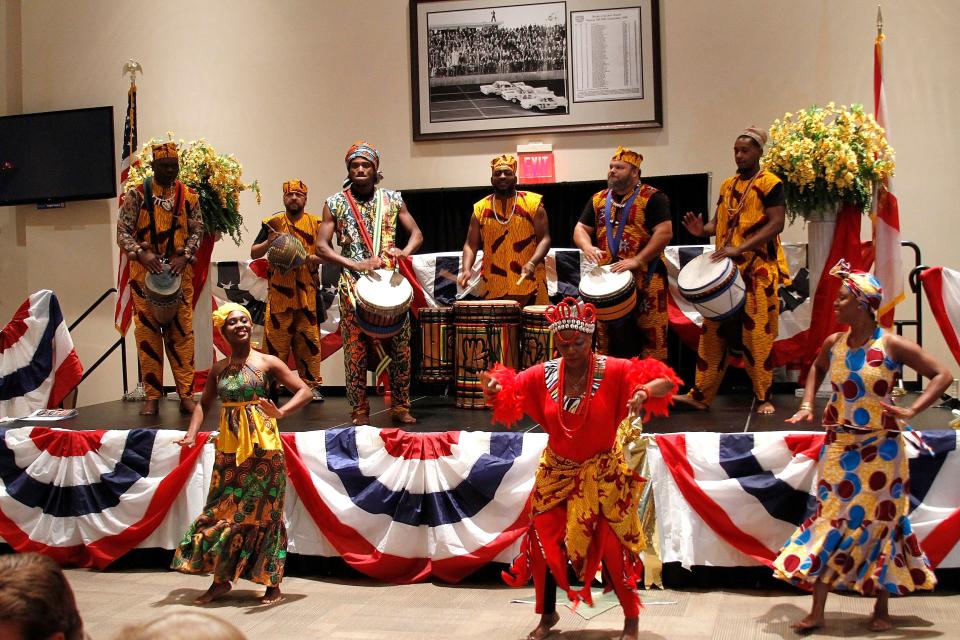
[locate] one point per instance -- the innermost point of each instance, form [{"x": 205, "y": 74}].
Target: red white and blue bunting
[
  {"x": 38, "y": 364},
  {"x": 404, "y": 507}
]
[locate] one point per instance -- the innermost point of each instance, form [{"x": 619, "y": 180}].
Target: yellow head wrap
[
  {"x": 165, "y": 150},
  {"x": 294, "y": 185},
  {"x": 223, "y": 312},
  {"x": 626, "y": 155},
  {"x": 505, "y": 161}
]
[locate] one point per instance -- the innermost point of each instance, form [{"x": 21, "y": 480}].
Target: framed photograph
[{"x": 491, "y": 68}]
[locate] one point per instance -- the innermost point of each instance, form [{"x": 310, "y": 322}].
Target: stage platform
[{"x": 729, "y": 414}]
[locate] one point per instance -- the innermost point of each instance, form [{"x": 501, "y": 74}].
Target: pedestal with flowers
[{"x": 830, "y": 160}]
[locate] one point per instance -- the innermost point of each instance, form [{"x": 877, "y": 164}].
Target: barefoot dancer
[
  {"x": 859, "y": 537},
  {"x": 585, "y": 499},
  {"x": 240, "y": 533}
]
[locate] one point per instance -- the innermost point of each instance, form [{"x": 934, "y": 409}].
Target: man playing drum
[
  {"x": 749, "y": 218},
  {"x": 631, "y": 222},
  {"x": 291, "y": 318},
  {"x": 512, "y": 227},
  {"x": 159, "y": 228},
  {"x": 365, "y": 219}
]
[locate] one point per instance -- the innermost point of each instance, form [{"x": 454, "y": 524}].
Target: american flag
[
  {"x": 885, "y": 214},
  {"x": 124, "y": 310}
]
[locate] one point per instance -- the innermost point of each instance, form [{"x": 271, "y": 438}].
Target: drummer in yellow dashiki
[
  {"x": 291, "y": 318},
  {"x": 160, "y": 223},
  {"x": 241, "y": 533},
  {"x": 750, "y": 216},
  {"x": 631, "y": 221},
  {"x": 364, "y": 248},
  {"x": 512, "y": 227}
]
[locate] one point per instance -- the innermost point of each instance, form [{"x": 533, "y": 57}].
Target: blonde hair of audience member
[
  {"x": 36, "y": 601},
  {"x": 183, "y": 625}
]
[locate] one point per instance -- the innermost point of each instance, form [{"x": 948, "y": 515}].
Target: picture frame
[{"x": 506, "y": 67}]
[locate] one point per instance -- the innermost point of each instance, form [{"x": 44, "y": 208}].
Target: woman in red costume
[{"x": 585, "y": 498}]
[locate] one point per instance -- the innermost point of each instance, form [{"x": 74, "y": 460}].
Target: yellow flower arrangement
[
  {"x": 826, "y": 156},
  {"x": 215, "y": 177}
]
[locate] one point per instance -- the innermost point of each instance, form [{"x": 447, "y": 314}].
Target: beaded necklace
[
  {"x": 585, "y": 405},
  {"x": 511, "y": 207}
]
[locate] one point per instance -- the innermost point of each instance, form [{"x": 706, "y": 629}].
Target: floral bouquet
[
  {"x": 215, "y": 177},
  {"x": 827, "y": 156}
]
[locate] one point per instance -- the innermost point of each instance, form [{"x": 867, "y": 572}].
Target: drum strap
[
  {"x": 154, "y": 236},
  {"x": 373, "y": 245},
  {"x": 613, "y": 241}
]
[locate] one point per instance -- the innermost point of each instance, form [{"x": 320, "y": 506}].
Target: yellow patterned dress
[
  {"x": 241, "y": 533},
  {"x": 859, "y": 538}
]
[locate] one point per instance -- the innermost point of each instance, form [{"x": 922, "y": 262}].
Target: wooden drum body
[
  {"x": 437, "y": 344},
  {"x": 716, "y": 289},
  {"x": 162, "y": 293},
  {"x": 486, "y": 332},
  {"x": 613, "y": 294},
  {"x": 383, "y": 299},
  {"x": 536, "y": 339}
]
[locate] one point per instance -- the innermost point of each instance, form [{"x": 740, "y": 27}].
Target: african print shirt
[
  {"x": 650, "y": 208},
  {"x": 507, "y": 246},
  {"x": 294, "y": 289},
  {"x": 349, "y": 236}
]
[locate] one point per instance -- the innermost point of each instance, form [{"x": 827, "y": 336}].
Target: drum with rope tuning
[
  {"x": 162, "y": 293},
  {"x": 383, "y": 299}
]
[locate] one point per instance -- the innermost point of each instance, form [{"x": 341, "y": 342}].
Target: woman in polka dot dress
[{"x": 859, "y": 537}]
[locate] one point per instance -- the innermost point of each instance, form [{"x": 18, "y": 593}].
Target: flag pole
[{"x": 132, "y": 67}]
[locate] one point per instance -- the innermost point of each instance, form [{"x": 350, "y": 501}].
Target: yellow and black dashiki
[
  {"x": 647, "y": 338},
  {"x": 166, "y": 231},
  {"x": 291, "y": 316},
  {"x": 509, "y": 242},
  {"x": 241, "y": 533},
  {"x": 859, "y": 537},
  {"x": 739, "y": 216}
]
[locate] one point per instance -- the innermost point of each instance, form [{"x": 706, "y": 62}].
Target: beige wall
[{"x": 288, "y": 85}]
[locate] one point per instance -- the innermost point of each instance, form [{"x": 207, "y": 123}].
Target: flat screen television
[{"x": 57, "y": 156}]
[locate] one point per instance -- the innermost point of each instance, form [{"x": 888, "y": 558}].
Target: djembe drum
[
  {"x": 613, "y": 294},
  {"x": 383, "y": 299},
  {"x": 437, "y": 344},
  {"x": 716, "y": 289},
  {"x": 162, "y": 293},
  {"x": 487, "y": 331},
  {"x": 536, "y": 339}
]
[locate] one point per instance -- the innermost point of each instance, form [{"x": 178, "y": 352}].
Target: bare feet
[
  {"x": 404, "y": 418},
  {"x": 631, "y": 629},
  {"x": 272, "y": 595},
  {"x": 187, "y": 406},
  {"x": 766, "y": 408},
  {"x": 547, "y": 622},
  {"x": 687, "y": 400},
  {"x": 880, "y": 623},
  {"x": 150, "y": 408},
  {"x": 217, "y": 590},
  {"x": 361, "y": 419},
  {"x": 807, "y": 625}
]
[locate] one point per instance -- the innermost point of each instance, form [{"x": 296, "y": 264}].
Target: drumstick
[{"x": 521, "y": 278}]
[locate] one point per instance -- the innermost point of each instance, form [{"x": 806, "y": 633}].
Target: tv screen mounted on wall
[{"x": 57, "y": 156}]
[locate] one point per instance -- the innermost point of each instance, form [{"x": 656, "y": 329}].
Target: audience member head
[
  {"x": 36, "y": 601},
  {"x": 183, "y": 625}
]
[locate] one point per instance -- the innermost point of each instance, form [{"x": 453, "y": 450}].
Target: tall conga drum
[
  {"x": 536, "y": 339},
  {"x": 437, "y": 344},
  {"x": 487, "y": 331}
]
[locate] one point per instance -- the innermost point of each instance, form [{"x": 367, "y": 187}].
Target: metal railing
[
  {"x": 121, "y": 342},
  {"x": 917, "y": 322}
]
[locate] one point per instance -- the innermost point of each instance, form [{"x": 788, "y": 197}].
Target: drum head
[
  {"x": 385, "y": 289},
  {"x": 600, "y": 282},
  {"x": 702, "y": 272},
  {"x": 163, "y": 283}
]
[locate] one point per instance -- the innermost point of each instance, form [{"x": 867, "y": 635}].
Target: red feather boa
[
  {"x": 646, "y": 370},
  {"x": 508, "y": 404}
]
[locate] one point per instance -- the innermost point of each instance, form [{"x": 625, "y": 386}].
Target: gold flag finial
[
  {"x": 879, "y": 22},
  {"x": 132, "y": 67}
]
